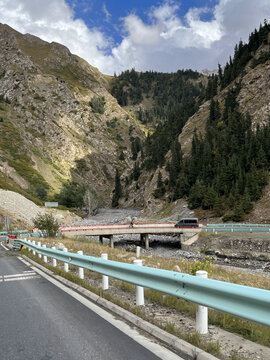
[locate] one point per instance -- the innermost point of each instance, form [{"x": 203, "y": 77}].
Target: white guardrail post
[
  {"x": 65, "y": 264},
  {"x": 139, "y": 289},
  {"x": 54, "y": 262},
  {"x": 138, "y": 251},
  {"x": 39, "y": 244},
  {"x": 45, "y": 259},
  {"x": 33, "y": 242},
  {"x": 105, "y": 279},
  {"x": 81, "y": 270},
  {"x": 202, "y": 311}
]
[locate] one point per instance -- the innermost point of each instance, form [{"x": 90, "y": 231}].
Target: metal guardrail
[
  {"x": 239, "y": 225},
  {"x": 232, "y": 229},
  {"x": 246, "y": 302},
  {"x": 13, "y": 232}
]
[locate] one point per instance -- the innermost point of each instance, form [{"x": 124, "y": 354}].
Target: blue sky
[{"x": 165, "y": 35}]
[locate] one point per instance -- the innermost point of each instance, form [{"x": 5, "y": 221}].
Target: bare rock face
[
  {"x": 48, "y": 129},
  {"x": 254, "y": 97}
]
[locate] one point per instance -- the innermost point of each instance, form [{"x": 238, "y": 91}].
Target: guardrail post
[
  {"x": 28, "y": 246},
  {"x": 54, "y": 262},
  {"x": 34, "y": 252},
  {"x": 138, "y": 251},
  {"x": 202, "y": 311},
  {"x": 65, "y": 264},
  {"x": 45, "y": 256},
  {"x": 105, "y": 278},
  {"x": 139, "y": 289},
  {"x": 39, "y": 244},
  {"x": 81, "y": 271}
]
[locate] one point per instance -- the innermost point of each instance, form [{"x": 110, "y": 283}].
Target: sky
[{"x": 116, "y": 35}]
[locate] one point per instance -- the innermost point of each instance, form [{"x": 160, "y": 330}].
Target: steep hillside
[
  {"x": 65, "y": 128},
  {"x": 58, "y": 122},
  {"x": 220, "y": 162}
]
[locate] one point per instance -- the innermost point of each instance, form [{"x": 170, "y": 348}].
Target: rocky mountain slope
[
  {"x": 253, "y": 99},
  {"x": 59, "y": 122},
  {"x": 49, "y": 133}
]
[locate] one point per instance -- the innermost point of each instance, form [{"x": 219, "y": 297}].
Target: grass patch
[{"x": 17, "y": 159}]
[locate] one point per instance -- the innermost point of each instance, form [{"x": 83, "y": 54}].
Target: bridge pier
[
  {"x": 111, "y": 241},
  {"x": 145, "y": 240},
  {"x": 181, "y": 239},
  {"x": 110, "y": 237}
]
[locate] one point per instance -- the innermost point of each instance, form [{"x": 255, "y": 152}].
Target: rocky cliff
[{"x": 49, "y": 133}]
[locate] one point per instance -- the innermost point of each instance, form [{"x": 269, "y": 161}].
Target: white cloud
[
  {"x": 165, "y": 43},
  {"x": 139, "y": 33},
  {"x": 191, "y": 42},
  {"x": 106, "y": 12}
]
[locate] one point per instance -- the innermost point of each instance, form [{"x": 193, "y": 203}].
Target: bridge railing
[
  {"x": 232, "y": 229},
  {"x": 246, "y": 302},
  {"x": 238, "y": 225},
  {"x": 13, "y": 232}
]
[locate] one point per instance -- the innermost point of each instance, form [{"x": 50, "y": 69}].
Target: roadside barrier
[
  {"x": 232, "y": 229},
  {"x": 243, "y": 301}
]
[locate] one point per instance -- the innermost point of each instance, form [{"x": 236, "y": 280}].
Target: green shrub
[
  {"x": 97, "y": 104},
  {"x": 46, "y": 224},
  {"x": 71, "y": 195}
]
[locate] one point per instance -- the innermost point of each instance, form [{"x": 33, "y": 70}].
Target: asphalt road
[{"x": 40, "y": 321}]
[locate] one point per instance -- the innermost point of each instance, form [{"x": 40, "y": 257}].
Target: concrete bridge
[{"x": 144, "y": 229}]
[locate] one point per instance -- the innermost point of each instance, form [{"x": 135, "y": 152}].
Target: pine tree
[
  {"x": 160, "y": 189},
  {"x": 175, "y": 164},
  {"x": 209, "y": 199},
  {"x": 117, "y": 192}
]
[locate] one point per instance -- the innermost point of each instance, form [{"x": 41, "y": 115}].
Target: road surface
[{"x": 40, "y": 321}]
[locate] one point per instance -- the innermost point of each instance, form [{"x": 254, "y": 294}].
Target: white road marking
[
  {"x": 22, "y": 278},
  {"x": 4, "y": 247},
  {"x": 18, "y": 277}
]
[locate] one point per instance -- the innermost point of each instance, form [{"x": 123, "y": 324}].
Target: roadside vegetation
[{"x": 249, "y": 330}]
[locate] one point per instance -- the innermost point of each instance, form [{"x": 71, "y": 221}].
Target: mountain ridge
[{"x": 60, "y": 126}]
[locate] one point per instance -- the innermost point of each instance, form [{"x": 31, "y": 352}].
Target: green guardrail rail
[{"x": 246, "y": 302}]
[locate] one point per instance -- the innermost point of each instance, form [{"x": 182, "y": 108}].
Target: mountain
[
  {"x": 61, "y": 131},
  {"x": 218, "y": 158},
  {"x": 177, "y": 143}
]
